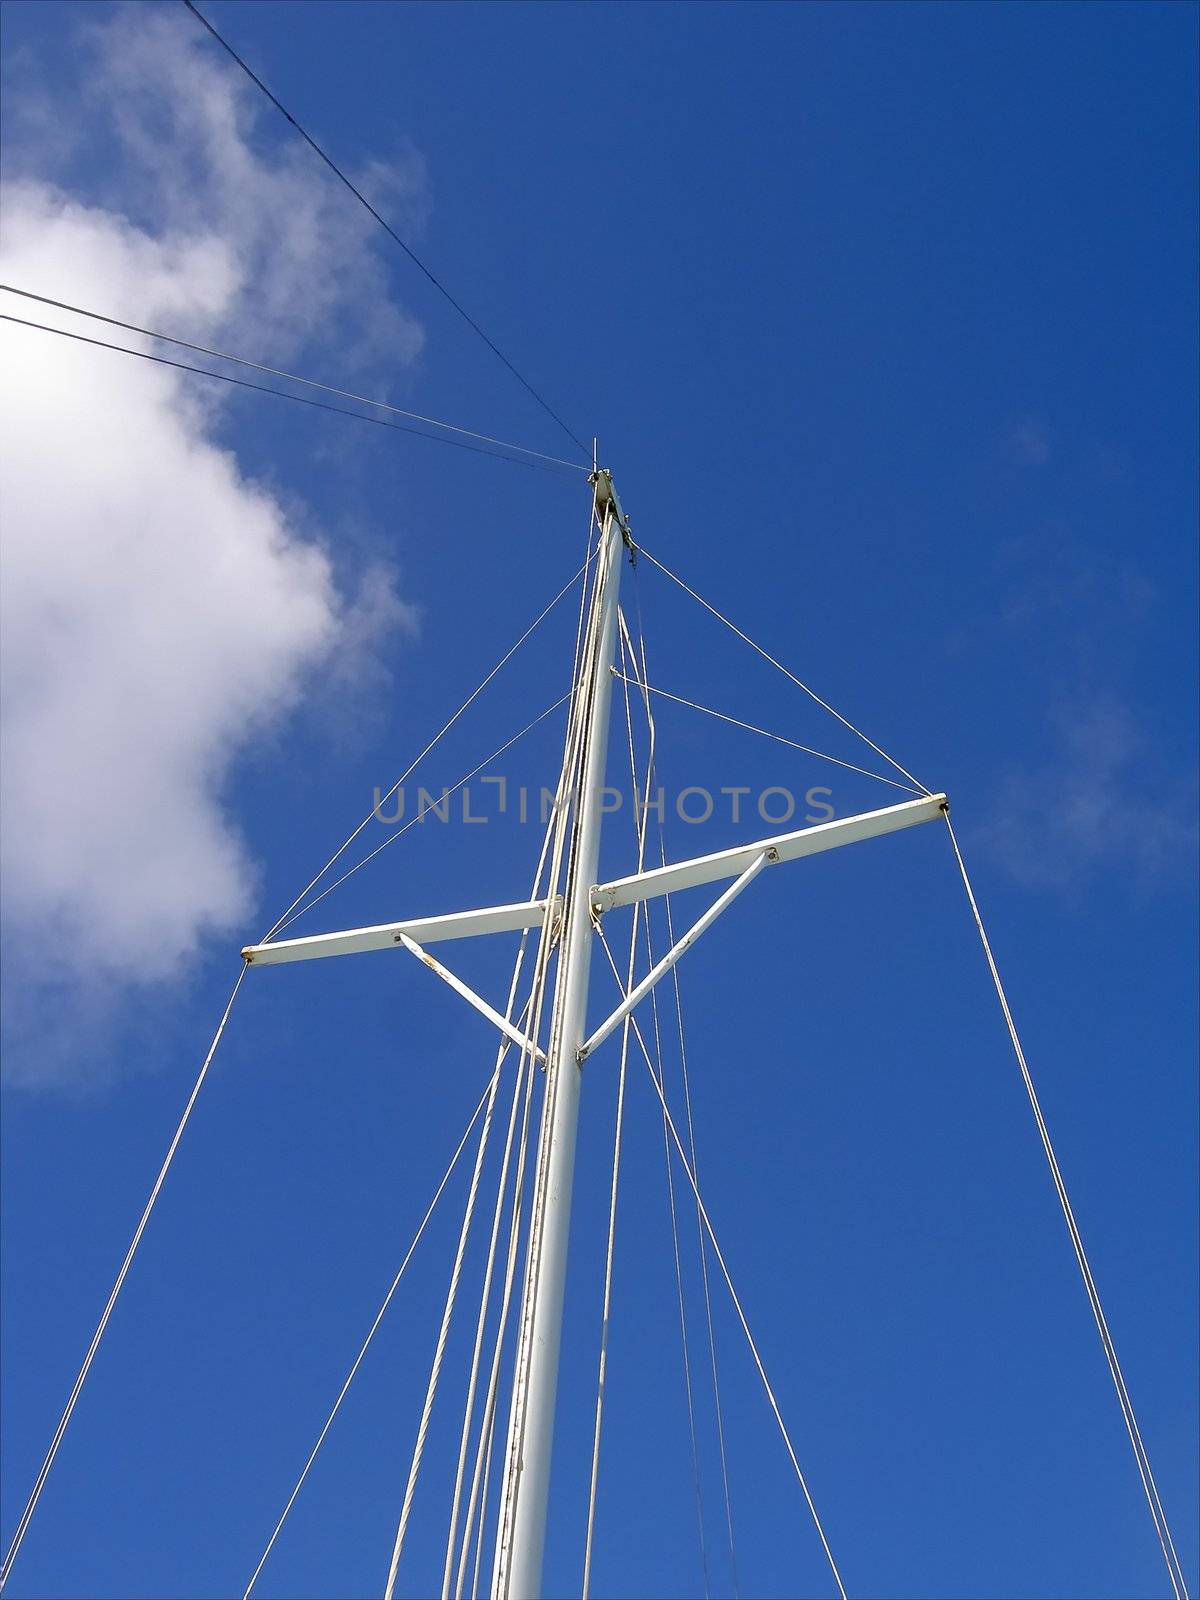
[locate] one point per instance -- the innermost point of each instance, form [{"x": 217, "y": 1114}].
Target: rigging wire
[
  {"x": 40, "y": 1483},
  {"x": 281, "y": 394},
  {"x": 565, "y": 788},
  {"x": 640, "y": 660},
  {"x": 778, "y": 665},
  {"x": 386, "y": 226},
  {"x": 557, "y": 1051},
  {"x": 534, "y": 1006},
  {"x": 708, "y": 1312},
  {"x": 737, "y": 1304},
  {"x": 579, "y": 751},
  {"x": 482, "y": 1508},
  {"x": 685, "y": 1346},
  {"x": 480, "y": 1328},
  {"x": 448, "y": 1309},
  {"x": 293, "y": 377},
  {"x": 602, "y": 1372},
  {"x": 779, "y": 738},
  {"x": 412, "y": 766},
  {"x": 422, "y": 813},
  {"x": 483, "y": 1458},
  {"x": 395, "y": 1282},
  {"x": 1174, "y": 1569},
  {"x": 689, "y": 1388},
  {"x": 556, "y": 834},
  {"x": 366, "y": 1344}
]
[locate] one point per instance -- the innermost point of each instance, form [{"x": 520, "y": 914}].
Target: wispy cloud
[
  {"x": 1028, "y": 444},
  {"x": 1069, "y": 604},
  {"x": 159, "y": 607},
  {"x": 1101, "y": 800}
]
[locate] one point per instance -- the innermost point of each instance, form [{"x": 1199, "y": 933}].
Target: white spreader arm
[
  {"x": 389, "y": 935},
  {"x": 406, "y": 936},
  {"x": 743, "y": 863},
  {"x": 783, "y": 847}
]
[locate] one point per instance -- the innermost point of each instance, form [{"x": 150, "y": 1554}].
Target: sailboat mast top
[{"x": 606, "y": 497}]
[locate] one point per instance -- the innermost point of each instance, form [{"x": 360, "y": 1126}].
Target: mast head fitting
[{"x": 606, "y": 496}]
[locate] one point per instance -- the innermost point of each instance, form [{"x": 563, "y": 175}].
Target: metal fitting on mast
[{"x": 606, "y": 496}]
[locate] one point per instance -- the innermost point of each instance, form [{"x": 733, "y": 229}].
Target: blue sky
[{"x": 885, "y": 318}]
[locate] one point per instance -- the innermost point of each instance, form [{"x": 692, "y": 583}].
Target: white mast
[
  {"x": 572, "y": 919},
  {"x": 526, "y": 1482}
]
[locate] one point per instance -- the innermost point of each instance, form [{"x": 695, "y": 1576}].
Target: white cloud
[{"x": 158, "y": 607}]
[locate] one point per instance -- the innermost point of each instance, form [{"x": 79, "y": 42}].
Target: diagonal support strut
[
  {"x": 637, "y": 994},
  {"x": 507, "y": 1028}
]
